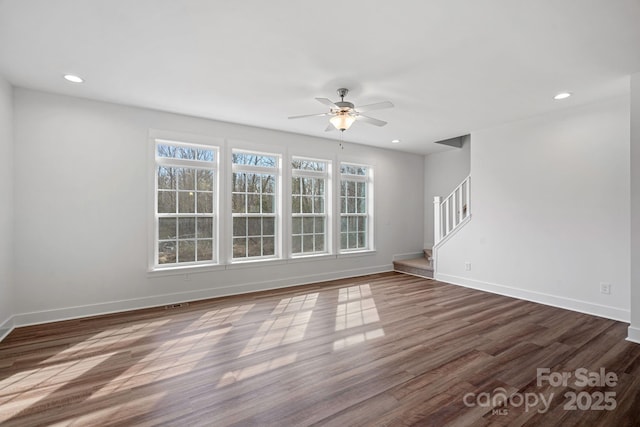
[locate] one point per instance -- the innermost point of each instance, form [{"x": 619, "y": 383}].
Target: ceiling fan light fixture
[{"x": 342, "y": 121}]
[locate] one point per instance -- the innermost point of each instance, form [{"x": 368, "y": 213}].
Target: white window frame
[
  {"x": 328, "y": 209},
  {"x": 213, "y": 166},
  {"x": 369, "y": 215},
  {"x": 277, "y": 172}
]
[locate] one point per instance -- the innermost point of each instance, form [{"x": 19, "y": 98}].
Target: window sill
[
  {"x": 184, "y": 269},
  {"x": 353, "y": 254},
  {"x": 307, "y": 258},
  {"x": 237, "y": 265},
  {"x": 251, "y": 263}
]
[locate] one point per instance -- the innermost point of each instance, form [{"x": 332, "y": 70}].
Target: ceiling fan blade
[
  {"x": 370, "y": 120},
  {"x": 329, "y": 128},
  {"x": 376, "y": 106},
  {"x": 309, "y": 115},
  {"x": 328, "y": 102}
]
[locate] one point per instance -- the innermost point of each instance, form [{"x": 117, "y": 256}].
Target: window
[
  {"x": 185, "y": 208},
  {"x": 355, "y": 216},
  {"x": 254, "y": 204},
  {"x": 308, "y": 206}
]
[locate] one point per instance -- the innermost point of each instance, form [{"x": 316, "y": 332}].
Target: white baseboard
[
  {"x": 67, "y": 313},
  {"x": 633, "y": 334},
  {"x": 6, "y": 327},
  {"x": 608, "y": 312}
]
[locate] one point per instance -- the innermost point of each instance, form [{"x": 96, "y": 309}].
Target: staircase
[
  {"x": 422, "y": 266},
  {"x": 450, "y": 215}
]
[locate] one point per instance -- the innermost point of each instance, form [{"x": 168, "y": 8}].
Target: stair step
[{"x": 417, "y": 266}]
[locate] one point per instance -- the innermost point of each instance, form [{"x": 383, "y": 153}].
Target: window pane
[
  {"x": 343, "y": 241},
  {"x": 205, "y": 250},
  {"x": 253, "y": 203},
  {"x": 319, "y": 243},
  {"x": 268, "y": 226},
  {"x": 240, "y": 158},
  {"x": 296, "y": 225},
  {"x": 186, "y": 228},
  {"x": 318, "y": 205},
  {"x": 353, "y": 223},
  {"x": 362, "y": 240},
  {"x": 254, "y": 226},
  {"x": 175, "y": 151},
  {"x": 205, "y": 155},
  {"x": 205, "y": 202},
  {"x": 205, "y": 180},
  {"x": 166, "y": 252},
  {"x": 186, "y": 178},
  {"x": 296, "y": 244},
  {"x": 267, "y": 204},
  {"x": 254, "y": 246},
  {"x": 239, "y": 247},
  {"x": 343, "y": 224},
  {"x": 319, "y": 225},
  {"x": 362, "y": 205},
  {"x": 351, "y": 188},
  {"x": 361, "y": 189},
  {"x": 166, "y": 178},
  {"x": 307, "y": 243},
  {"x": 186, "y": 202},
  {"x": 167, "y": 228},
  {"x": 307, "y": 225},
  {"x": 295, "y": 185},
  {"x": 253, "y": 183},
  {"x": 353, "y": 240},
  {"x": 186, "y": 250},
  {"x": 238, "y": 203},
  {"x": 268, "y": 184},
  {"x": 239, "y": 182},
  {"x": 362, "y": 224},
  {"x": 166, "y": 202},
  {"x": 307, "y": 204},
  {"x": 268, "y": 246},
  {"x": 309, "y": 165},
  {"x": 239, "y": 226},
  {"x": 205, "y": 227},
  {"x": 351, "y": 205},
  {"x": 296, "y": 204}
]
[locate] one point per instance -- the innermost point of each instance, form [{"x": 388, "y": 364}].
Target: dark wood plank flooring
[{"x": 387, "y": 349}]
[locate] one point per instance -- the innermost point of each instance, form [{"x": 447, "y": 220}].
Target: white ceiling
[{"x": 449, "y": 66}]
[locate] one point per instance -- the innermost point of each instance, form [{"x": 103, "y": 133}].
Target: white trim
[
  {"x": 39, "y": 317},
  {"x": 633, "y": 335},
  {"x": 6, "y": 327},
  {"x": 608, "y": 312}
]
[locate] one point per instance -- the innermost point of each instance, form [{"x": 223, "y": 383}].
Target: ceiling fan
[{"x": 344, "y": 113}]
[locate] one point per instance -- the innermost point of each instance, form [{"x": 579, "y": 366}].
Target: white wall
[
  {"x": 634, "y": 329},
  {"x": 82, "y": 209},
  {"x": 443, "y": 172},
  {"x": 550, "y": 211},
  {"x": 6, "y": 207}
]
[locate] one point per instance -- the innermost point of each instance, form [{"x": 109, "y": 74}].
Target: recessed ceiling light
[
  {"x": 395, "y": 141},
  {"x": 73, "y": 78},
  {"x": 562, "y": 95}
]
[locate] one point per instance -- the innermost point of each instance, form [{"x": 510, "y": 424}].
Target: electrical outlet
[
  {"x": 605, "y": 288},
  {"x": 467, "y": 266}
]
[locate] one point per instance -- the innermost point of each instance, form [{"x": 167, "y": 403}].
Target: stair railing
[{"x": 449, "y": 214}]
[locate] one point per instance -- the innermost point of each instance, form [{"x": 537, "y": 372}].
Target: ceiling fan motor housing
[{"x": 345, "y": 106}]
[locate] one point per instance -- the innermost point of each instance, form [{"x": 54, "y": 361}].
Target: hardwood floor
[{"x": 387, "y": 349}]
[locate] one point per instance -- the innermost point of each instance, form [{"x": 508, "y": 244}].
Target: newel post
[{"x": 437, "y": 227}]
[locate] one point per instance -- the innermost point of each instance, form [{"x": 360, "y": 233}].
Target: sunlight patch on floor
[{"x": 257, "y": 369}]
